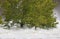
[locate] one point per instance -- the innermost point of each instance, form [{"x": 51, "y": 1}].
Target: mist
[{"x": 57, "y": 9}]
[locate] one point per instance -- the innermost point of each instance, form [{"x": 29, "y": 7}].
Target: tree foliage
[
  {"x": 1, "y": 20},
  {"x": 37, "y": 13}
]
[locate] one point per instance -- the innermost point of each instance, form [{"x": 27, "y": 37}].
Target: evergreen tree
[
  {"x": 37, "y": 13},
  {"x": 1, "y": 20},
  {"x": 11, "y": 10}
]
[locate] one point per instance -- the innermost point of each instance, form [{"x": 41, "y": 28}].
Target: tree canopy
[{"x": 37, "y": 13}]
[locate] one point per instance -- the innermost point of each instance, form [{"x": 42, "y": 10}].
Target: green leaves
[
  {"x": 37, "y": 13},
  {"x": 1, "y": 20}
]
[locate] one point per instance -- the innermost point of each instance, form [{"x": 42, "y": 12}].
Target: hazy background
[{"x": 57, "y": 9}]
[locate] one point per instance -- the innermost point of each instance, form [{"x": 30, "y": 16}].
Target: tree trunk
[
  {"x": 35, "y": 27},
  {"x": 21, "y": 24}
]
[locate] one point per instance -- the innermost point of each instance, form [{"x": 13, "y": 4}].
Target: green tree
[
  {"x": 11, "y": 10},
  {"x": 37, "y": 13},
  {"x": 1, "y": 20}
]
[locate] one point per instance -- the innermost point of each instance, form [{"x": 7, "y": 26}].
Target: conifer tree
[
  {"x": 1, "y": 20},
  {"x": 37, "y": 13},
  {"x": 11, "y": 10}
]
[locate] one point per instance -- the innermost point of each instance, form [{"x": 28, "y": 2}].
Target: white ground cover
[{"x": 30, "y": 33}]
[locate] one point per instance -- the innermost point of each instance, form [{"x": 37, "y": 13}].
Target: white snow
[{"x": 30, "y": 33}]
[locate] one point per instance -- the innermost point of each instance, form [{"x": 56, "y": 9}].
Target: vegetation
[
  {"x": 37, "y": 13},
  {"x": 1, "y": 20}
]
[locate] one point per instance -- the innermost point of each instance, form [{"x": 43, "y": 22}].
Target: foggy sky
[{"x": 57, "y": 9}]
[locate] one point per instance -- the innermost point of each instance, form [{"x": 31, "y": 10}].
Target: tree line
[{"x": 36, "y": 13}]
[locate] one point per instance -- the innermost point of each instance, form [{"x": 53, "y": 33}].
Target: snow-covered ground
[{"x": 30, "y": 33}]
